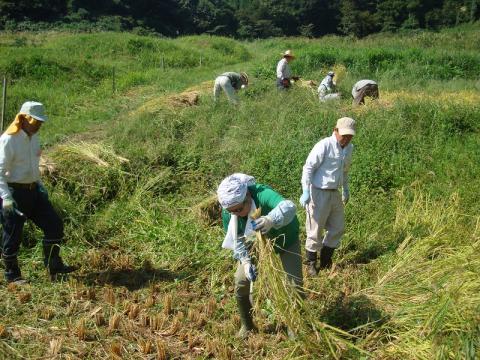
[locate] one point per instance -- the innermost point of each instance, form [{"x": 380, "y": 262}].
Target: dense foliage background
[{"x": 239, "y": 18}]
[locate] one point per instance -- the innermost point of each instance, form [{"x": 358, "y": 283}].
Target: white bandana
[{"x": 233, "y": 189}]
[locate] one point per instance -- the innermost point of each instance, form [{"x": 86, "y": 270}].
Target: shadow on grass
[
  {"x": 348, "y": 313},
  {"x": 132, "y": 279}
]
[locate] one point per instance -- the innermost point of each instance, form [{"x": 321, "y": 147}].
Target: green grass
[{"x": 128, "y": 181}]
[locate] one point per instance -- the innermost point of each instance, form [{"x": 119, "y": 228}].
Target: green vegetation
[
  {"x": 247, "y": 19},
  {"x": 132, "y": 174}
]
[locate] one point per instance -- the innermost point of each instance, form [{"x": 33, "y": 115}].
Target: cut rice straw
[{"x": 289, "y": 307}]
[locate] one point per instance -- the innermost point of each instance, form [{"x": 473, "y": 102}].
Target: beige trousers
[{"x": 324, "y": 212}]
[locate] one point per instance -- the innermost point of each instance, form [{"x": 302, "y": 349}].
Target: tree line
[{"x": 238, "y": 18}]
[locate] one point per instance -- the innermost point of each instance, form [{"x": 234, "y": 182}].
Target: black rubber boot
[
  {"x": 311, "y": 263},
  {"x": 53, "y": 262},
  {"x": 12, "y": 271},
  {"x": 326, "y": 257},
  {"x": 245, "y": 310}
]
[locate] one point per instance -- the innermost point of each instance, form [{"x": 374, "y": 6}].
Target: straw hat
[
  {"x": 244, "y": 76},
  {"x": 288, "y": 53}
]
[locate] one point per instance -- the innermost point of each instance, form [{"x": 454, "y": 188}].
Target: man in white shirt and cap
[
  {"x": 324, "y": 173},
  {"x": 284, "y": 73},
  {"x": 230, "y": 83},
  {"x": 23, "y": 195},
  {"x": 326, "y": 89},
  {"x": 362, "y": 89}
]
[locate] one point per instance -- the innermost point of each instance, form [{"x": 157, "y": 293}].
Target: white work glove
[
  {"x": 250, "y": 270},
  {"x": 263, "y": 224},
  {"x": 345, "y": 197},
  {"x": 305, "y": 198},
  {"x": 8, "y": 205}
]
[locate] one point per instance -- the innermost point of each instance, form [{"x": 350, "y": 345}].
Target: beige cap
[{"x": 346, "y": 126}]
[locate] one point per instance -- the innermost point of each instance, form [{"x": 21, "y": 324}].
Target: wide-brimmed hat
[
  {"x": 288, "y": 53},
  {"x": 346, "y": 126},
  {"x": 244, "y": 76},
  {"x": 34, "y": 109}
]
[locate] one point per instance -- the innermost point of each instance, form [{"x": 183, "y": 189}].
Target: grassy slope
[{"x": 150, "y": 263}]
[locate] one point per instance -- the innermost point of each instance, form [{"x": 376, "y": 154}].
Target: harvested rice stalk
[
  {"x": 208, "y": 210},
  {"x": 317, "y": 337}
]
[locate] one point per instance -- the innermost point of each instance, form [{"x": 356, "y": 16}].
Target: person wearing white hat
[
  {"x": 362, "y": 89},
  {"x": 23, "y": 195},
  {"x": 239, "y": 195},
  {"x": 284, "y": 73},
  {"x": 326, "y": 89},
  {"x": 324, "y": 173},
  {"x": 230, "y": 82}
]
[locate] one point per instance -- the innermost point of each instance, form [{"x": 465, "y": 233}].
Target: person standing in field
[
  {"x": 23, "y": 195},
  {"x": 230, "y": 83},
  {"x": 362, "y": 89},
  {"x": 326, "y": 89},
  {"x": 324, "y": 173},
  {"x": 284, "y": 73},
  {"x": 239, "y": 195}
]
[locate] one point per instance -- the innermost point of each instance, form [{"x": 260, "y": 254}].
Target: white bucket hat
[
  {"x": 35, "y": 110},
  {"x": 346, "y": 126}
]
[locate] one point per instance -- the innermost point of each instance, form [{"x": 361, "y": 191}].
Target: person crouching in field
[
  {"x": 230, "y": 82},
  {"x": 284, "y": 73},
  {"x": 362, "y": 89},
  {"x": 240, "y": 196},
  {"x": 23, "y": 195},
  {"x": 326, "y": 89},
  {"x": 324, "y": 172}
]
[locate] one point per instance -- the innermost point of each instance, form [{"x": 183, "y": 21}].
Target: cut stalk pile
[{"x": 290, "y": 308}]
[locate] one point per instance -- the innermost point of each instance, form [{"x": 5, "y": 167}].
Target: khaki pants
[
  {"x": 324, "y": 212},
  {"x": 292, "y": 265}
]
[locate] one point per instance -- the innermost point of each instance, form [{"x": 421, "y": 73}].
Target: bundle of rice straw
[{"x": 289, "y": 307}]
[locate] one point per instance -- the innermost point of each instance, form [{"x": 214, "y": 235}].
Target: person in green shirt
[{"x": 239, "y": 196}]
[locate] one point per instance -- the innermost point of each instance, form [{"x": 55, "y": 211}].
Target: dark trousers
[
  {"x": 282, "y": 85},
  {"x": 36, "y": 207}
]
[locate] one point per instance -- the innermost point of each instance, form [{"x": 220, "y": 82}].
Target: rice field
[{"x": 132, "y": 163}]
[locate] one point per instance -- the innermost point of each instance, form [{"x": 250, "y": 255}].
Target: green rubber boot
[{"x": 245, "y": 309}]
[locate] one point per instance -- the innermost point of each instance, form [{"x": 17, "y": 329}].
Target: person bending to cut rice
[
  {"x": 239, "y": 195},
  {"x": 363, "y": 89},
  {"x": 230, "y": 82}
]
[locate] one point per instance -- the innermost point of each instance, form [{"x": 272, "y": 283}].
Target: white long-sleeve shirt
[
  {"x": 359, "y": 85},
  {"x": 327, "y": 165},
  {"x": 19, "y": 160},
  {"x": 283, "y": 70},
  {"x": 326, "y": 86}
]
